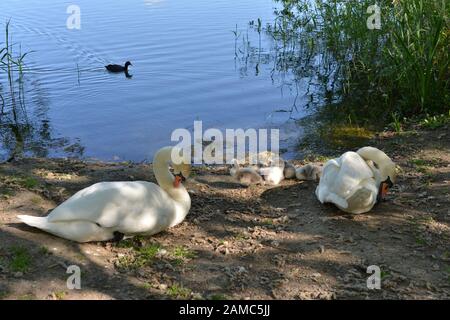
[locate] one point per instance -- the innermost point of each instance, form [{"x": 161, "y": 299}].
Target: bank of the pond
[{"x": 261, "y": 243}]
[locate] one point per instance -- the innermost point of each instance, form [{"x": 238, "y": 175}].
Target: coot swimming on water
[{"x": 118, "y": 68}]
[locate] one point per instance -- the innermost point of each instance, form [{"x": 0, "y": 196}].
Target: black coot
[{"x": 118, "y": 68}]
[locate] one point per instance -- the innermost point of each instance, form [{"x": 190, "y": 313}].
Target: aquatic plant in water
[
  {"x": 19, "y": 133},
  {"x": 401, "y": 69}
]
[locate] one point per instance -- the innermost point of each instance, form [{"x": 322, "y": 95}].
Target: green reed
[
  {"x": 401, "y": 69},
  {"x": 14, "y": 125},
  {"x": 8, "y": 61}
]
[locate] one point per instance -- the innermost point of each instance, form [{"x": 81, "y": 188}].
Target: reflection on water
[
  {"x": 192, "y": 60},
  {"x": 297, "y": 58},
  {"x": 23, "y": 134}
]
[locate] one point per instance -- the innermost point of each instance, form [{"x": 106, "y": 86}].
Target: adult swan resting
[
  {"x": 111, "y": 210},
  {"x": 355, "y": 181}
]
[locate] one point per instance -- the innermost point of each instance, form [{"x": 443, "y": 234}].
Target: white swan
[
  {"x": 107, "y": 210},
  {"x": 355, "y": 181}
]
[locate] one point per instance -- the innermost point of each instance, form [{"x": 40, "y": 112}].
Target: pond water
[{"x": 187, "y": 65}]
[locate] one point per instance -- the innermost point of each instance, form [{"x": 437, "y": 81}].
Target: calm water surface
[{"x": 185, "y": 68}]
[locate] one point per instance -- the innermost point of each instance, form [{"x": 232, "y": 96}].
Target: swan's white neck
[
  {"x": 384, "y": 163},
  {"x": 165, "y": 180}
]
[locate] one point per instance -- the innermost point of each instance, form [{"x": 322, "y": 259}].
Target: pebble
[
  {"x": 163, "y": 287},
  {"x": 18, "y": 274},
  {"x": 242, "y": 270}
]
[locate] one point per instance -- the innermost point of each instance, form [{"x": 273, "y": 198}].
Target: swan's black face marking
[
  {"x": 98, "y": 224},
  {"x": 389, "y": 182},
  {"x": 180, "y": 175}
]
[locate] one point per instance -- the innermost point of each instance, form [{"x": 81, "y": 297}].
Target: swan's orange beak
[
  {"x": 384, "y": 190},
  {"x": 178, "y": 180}
]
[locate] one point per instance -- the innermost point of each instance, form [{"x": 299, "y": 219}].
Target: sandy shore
[{"x": 260, "y": 242}]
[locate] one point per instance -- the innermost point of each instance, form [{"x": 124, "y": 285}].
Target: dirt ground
[{"x": 260, "y": 242}]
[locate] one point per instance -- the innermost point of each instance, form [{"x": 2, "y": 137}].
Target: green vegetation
[
  {"x": 368, "y": 77},
  {"x": 146, "y": 286},
  {"x": 434, "y": 122},
  {"x": 12, "y": 181},
  {"x": 9, "y": 62},
  {"x": 139, "y": 257},
  {"x": 44, "y": 251},
  {"x": 183, "y": 253},
  {"x": 419, "y": 162},
  {"x": 384, "y": 274},
  {"x": 396, "y": 123},
  {"x": 20, "y": 261},
  {"x": 59, "y": 295},
  {"x": 423, "y": 166},
  {"x": 19, "y": 132},
  {"x": 267, "y": 221},
  {"x": 7, "y": 58},
  {"x": 29, "y": 182},
  {"x": 141, "y": 254},
  {"x": 148, "y": 253},
  {"x": 178, "y": 291},
  {"x": 421, "y": 241},
  {"x": 218, "y": 296},
  {"x": 345, "y": 136}
]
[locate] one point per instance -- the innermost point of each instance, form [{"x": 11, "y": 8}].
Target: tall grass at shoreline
[
  {"x": 365, "y": 75},
  {"x": 10, "y": 63},
  {"x": 14, "y": 124},
  {"x": 24, "y": 129}
]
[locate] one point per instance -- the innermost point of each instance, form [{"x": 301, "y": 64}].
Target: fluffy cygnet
[
  {"x": 245, "y": 176},
  {"x": 289, "y": 170},
  {"x": 309, "y": 172}
]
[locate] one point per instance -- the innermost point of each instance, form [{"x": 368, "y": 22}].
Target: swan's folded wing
[
  {"x": 355, "y": 167},
  {"x": 352, "y": 171},
  {"x": 329, "y": 174},
  {"x": 108, "y": 203}
]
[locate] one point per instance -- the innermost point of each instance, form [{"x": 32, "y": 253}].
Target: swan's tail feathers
[{"x": 37, "y": 222}]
